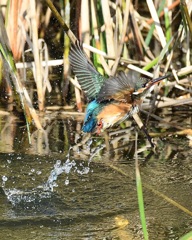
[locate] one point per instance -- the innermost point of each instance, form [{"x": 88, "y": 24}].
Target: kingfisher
[{"x": 110, "y": 100}]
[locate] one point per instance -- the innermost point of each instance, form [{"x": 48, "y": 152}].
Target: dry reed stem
[
  {"x": 136, "y": 33},
  {"x": 68, "y": 31},
  {"x": 43, "y": 54},
  {"x": 141, "y": 71},
  {"x": 32, "y": 110},
  {"x": 38, "y": 73},
  {"x": 47, "y": 17},
  {"x": 123, "y": 33},
  {"x": 97, "y": 38},
  {"x": 108, "y": 29},
  {"x": 157, "y": 22},
  {"x": 161, "y": 36},
  {"x": 15, "y": 19},
  {"x": 184, "y": 71},
  {"x": 170, "y": 103},
  {"x": 10, "y": 67},
  {"x": 85, "y": 27},
  {"x": 170, "y": 7},
  {"x": 75, "y": 83},
  {"x": 78, "y": 99},
  {"x": 140, "y": 24}
]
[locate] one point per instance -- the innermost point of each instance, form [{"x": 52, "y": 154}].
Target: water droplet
[
  {"x": 4, "y": 178},
  {"x": 67, "y": 182},
  {"x": 38, "y": 172}
]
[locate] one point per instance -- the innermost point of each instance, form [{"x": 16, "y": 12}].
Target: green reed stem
[
  {"x": 167, "y": 25},
  {"x": 150, "y": 33},
  {"x": 187, "y": 236},
  {"x": 186, "y": 16},
  {"x": 140, "y": 194}
]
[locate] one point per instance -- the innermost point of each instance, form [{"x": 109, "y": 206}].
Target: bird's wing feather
[
  {"x": 118, "y": 88},
  {"x": 88, "y": 77}
]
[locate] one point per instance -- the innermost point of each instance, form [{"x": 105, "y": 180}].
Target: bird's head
[{"x": 144, "y": 86}]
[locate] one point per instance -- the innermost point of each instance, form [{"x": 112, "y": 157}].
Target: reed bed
[
  {"x": 152, "y": 39},
  {"x": 117, "y": 35}
]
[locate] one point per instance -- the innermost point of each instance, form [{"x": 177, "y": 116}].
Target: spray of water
[{"x": 16, "y": 196}]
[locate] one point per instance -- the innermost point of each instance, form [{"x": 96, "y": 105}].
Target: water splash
[
  {"x": 66, "y": 168},
  {"x": 17, "y": 196},
  {"x": 95, "y": 152},
  {"x": 58, "y": 169},
  {"x": 4, "y": 178}
]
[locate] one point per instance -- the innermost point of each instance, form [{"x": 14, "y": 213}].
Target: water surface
[{"x": 49, "y": 192}]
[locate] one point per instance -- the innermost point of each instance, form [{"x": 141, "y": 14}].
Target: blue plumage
[
  {"x": 110, "y": 100},
  {"x": 90, "y": 120},
  {"x": 91, "y": 82}
]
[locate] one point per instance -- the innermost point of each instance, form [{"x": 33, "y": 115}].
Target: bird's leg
[{"x": 142, "y": 127}]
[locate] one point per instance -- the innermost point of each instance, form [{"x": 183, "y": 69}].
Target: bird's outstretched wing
[
  {"x": 88, "y": 77},
  {"x": 118, "y": 88},
  {"x": 126, "y": 87}
]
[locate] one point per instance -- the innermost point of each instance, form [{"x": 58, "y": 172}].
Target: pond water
[{"x": 67, "y": 186}]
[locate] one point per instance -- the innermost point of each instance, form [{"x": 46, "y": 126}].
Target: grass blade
[
  {"x": 140, "y": 194},
  {"x": 188, "y": 236}
]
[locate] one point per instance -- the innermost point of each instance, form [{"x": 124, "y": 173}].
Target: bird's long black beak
[
  {"x": 156, "y": 80},
  {"x": 143, "y": 90}
]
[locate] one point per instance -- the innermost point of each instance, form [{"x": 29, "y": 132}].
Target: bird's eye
[
  {"x": 143, "y": 85},
  {"x": 143, "y": 82}
]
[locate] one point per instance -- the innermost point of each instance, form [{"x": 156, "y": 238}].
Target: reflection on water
[{"x": 72, "y": 186}]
